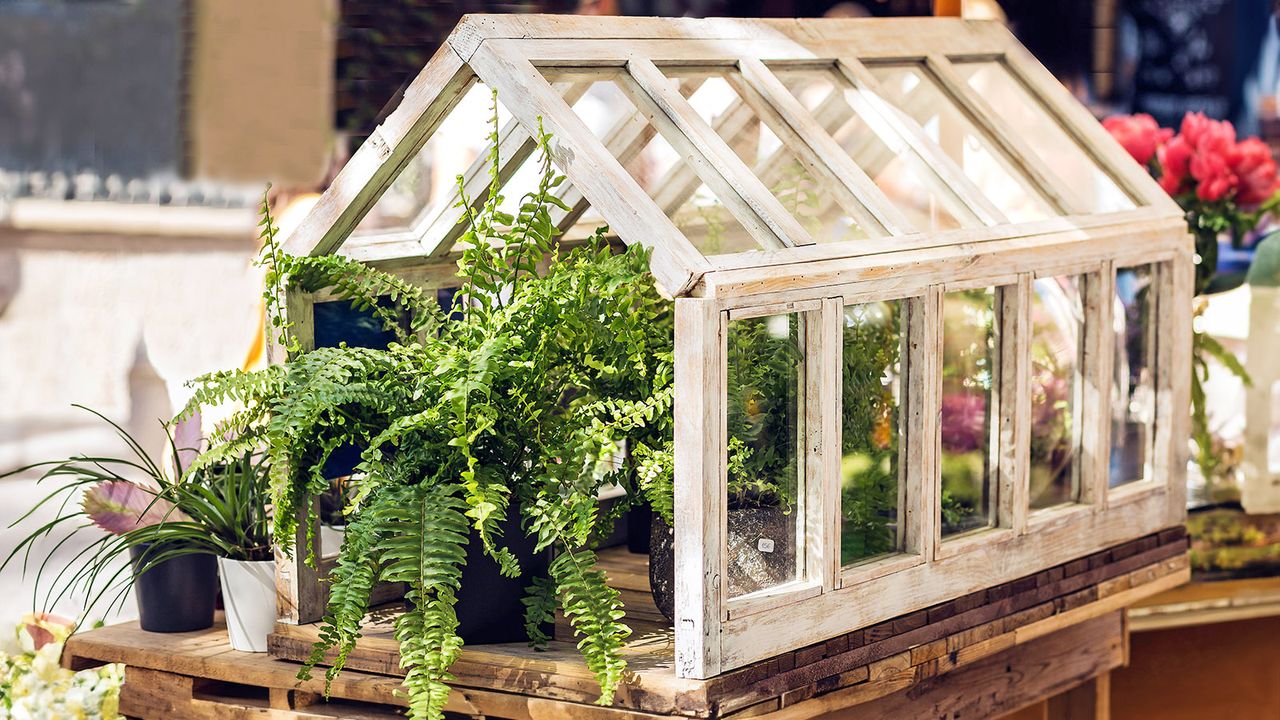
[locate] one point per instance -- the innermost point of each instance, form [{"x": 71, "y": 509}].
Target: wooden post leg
[{"x": 1090, "y": 701}]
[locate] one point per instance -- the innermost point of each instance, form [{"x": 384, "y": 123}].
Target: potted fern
[{"x": 477, "y": 435}]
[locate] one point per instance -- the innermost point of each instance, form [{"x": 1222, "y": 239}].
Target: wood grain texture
[{"x": 910, "y": 647}]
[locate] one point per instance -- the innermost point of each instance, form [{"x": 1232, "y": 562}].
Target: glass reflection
[{"x": 968, "y": 376}]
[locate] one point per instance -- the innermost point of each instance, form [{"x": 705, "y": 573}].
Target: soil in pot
[
  {"x": 761, "y": 554},
  {"x": 175, "y": 595}
]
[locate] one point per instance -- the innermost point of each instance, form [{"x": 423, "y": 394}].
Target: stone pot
[{"x": 761, "y": 554}]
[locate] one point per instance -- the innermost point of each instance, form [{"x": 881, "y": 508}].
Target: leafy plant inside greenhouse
[{"x": 516, "y": 408}]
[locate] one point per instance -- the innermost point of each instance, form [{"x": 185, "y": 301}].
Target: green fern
[
  {"x": 595, "y": 611},
  {"x": 558, "y": 361},
  {"x": 423, "y": 545}
]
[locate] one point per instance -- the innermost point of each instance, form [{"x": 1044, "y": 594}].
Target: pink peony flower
[
  {"x": 1138, "y": 134},
  {"x": 1255, "y": 169}
]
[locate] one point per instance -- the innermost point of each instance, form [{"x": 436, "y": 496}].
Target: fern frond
[
  {"x": 595, "y": 611},
  {"x": 351, "y": 583},
  {"x": 424, "y": 545},
  {"x": 367, "y": 289}
]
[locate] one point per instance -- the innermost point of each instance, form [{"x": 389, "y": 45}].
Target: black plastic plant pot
[
  {"x": 489, "y": 605},
  {"x": 174, "y": 595}
]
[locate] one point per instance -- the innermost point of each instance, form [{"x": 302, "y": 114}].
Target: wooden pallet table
[{"x": 985, "y": 654}]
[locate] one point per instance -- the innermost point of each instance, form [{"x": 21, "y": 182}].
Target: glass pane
[
  {"x": 1045, "y": 135},
  {"x": 913, "y": 90},
  {"x": 1133, "y": 389},
  {"x": 869, "y": 481},
  {"x": 719, "y": 102},
  {"x": 968, "y": 376},
  {"x": 1057, "y": 323},
  {"x": 765, "y": 410},
  {"x": 421, "y": 199},
  {"x": 659, "y": 169},
  {"x": 904, "y": 178},
  {"x": 429, "y": 179}
]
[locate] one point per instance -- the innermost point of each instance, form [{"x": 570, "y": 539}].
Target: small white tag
[{"x": 765, "y": 545}]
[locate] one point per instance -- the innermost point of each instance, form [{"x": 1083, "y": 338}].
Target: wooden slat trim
[
  {"x": 869, "y": 86},
  {"x": 1082, "y": 224},
  {"x": 1175, "y": 280},
  {"x": 825, "y": 396},
  {"x": 675, "y": 263},
  {"x": 925, "y": 470},
  {"x": 1006, "y": 138},
  {"x": 910, "y": 270},
  {"x": 699, "y": 485},
  {"x": 831, "y": 614},
  {"x": 681, "y": 180},
  {"x": 1098, "y": 359},
  {"x": 381, "y": 158},
  {"x": 1013, "y": 447},
  {"x": 438, "y": 230},
  {"x": 858, "y": 193},
  {"x": 710, "y": 151},
  {"x": 624, "y": 141}
]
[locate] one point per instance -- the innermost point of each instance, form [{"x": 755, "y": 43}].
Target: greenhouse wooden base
[
  {"x": 853, "y": 669},
  {"x": 206, "y": 680}
]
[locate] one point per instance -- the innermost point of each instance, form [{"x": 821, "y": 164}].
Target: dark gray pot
[{"x": 176, "y": 595}]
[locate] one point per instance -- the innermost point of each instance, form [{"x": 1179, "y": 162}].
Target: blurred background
[{"x": 137, "y": 138}]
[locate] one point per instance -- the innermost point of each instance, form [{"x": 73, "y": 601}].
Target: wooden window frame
[{"x": 715, "y": 634}]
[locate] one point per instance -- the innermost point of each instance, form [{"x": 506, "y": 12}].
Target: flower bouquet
[{"x": 1226, "y": 187}]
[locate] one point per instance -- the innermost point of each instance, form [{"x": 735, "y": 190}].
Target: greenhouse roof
[{"x": 744, "y": 153}]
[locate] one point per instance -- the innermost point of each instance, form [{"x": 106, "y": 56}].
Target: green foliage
[
  {"x": 869, "y": 494},
  {"x": 1203, "y": 348},
  {"x": 595, "y": 611},
  {"x": 763, "y": 364},
  {"x": 558, "y": 360},
  {"x": 215, "y": 507}
]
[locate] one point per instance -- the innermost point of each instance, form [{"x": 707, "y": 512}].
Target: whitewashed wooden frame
[
  {"x": 1018, "y": 543},
  {"x": 537, "y": 63}
]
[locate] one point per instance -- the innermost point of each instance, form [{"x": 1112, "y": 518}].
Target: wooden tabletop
[
  {"x": 1065, "y": 622},
  {"x": 1201, "y": 603}
]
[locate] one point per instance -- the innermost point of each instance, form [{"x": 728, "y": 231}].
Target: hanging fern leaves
[
  {"x": 402, "y": 307},
  {"x": 351, "y": 583},
  {"x": 423, "y": 545},
  {"x": 557, "y": 363},
  {"x": 595, "y": 611}
]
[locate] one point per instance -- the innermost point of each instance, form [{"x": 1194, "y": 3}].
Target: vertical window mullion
[
  {"x": 1011, "y": 450},
  {"x": 1097, "y": 368}
]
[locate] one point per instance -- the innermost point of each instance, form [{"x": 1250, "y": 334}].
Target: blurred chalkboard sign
[
  {"x": 1193, "y": 55},
  {"x": 92, "y": 85}
]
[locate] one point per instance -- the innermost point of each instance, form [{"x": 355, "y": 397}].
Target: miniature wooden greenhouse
[{"x": 985, "y": 302}]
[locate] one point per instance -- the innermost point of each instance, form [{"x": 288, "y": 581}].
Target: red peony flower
[
  {"x": 1175, "y": 164},
  {"x": 1255, "y": 170},
  {"x": 1138, "y": 134}
]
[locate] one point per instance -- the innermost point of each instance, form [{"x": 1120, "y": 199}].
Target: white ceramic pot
[{"x": 249, "y": 596}]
